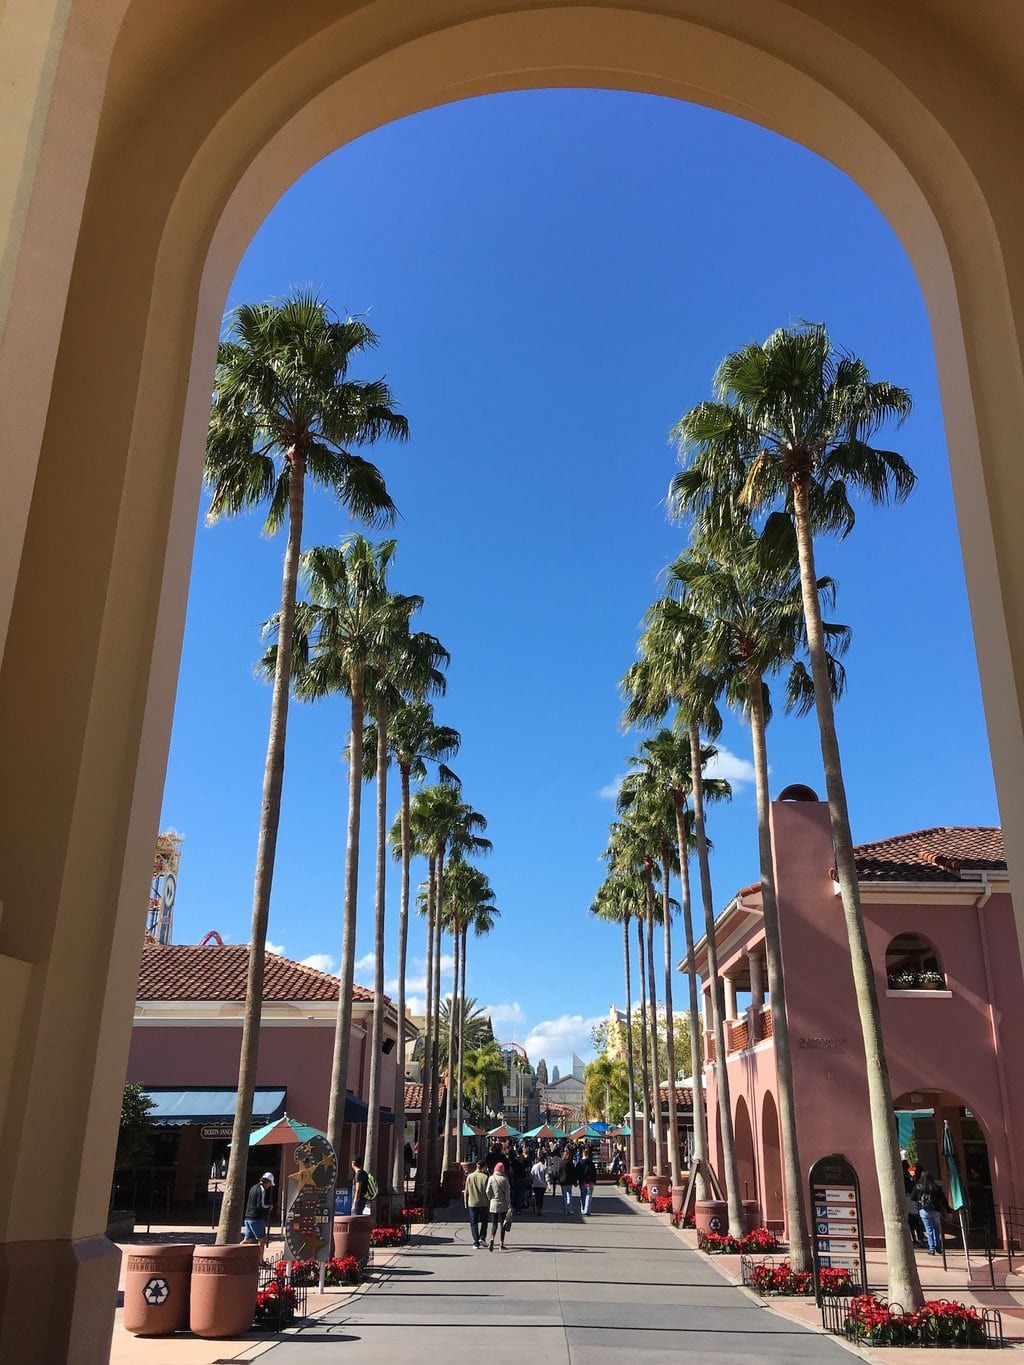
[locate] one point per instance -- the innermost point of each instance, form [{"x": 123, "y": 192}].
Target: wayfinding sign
[
  {"x": 308, "y": 1222},
  {"x": 837, "y": 1235}
]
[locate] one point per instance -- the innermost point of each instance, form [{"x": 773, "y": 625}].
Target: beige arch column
[{"x": 154, "y": 167}]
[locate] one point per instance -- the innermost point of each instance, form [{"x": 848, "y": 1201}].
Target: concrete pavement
[{"x": 618, "y": 1286}]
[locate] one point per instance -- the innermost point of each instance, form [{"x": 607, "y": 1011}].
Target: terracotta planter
[
  {"x": 712, "y": 1215},
  {"x": 156, "y": 1289},
  {"x": 677, "y": 1198},
  {"x": 658, "y": 1185},
  {"x": 352, "y": 1236},
  {"x": 224, "y": 1282},
  {"x": 636, "y": 1172},
  {"x": 751, "y": 1214},
  {"x": 451, "y": 1184}
]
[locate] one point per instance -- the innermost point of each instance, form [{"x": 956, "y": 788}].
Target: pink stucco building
[
  {"x": 940, "y": 927},
  {"x": 185, "y": 1047}
]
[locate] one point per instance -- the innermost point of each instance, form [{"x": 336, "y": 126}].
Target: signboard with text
[
  {"x": 837, "y": 1241},
  {"x": 309, "y": 1220}
]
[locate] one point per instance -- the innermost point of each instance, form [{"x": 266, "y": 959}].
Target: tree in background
[{"x": 606, "y": 1089}]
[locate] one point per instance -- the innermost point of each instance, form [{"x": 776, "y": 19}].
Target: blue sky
[{"x": 554, "y": 276}]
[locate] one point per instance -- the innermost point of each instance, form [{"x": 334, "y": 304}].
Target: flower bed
[
  {"x": 680, "y": 1220},
  {"x": 275, "y": 1306},
  {"x": 340, "y": 1270},
  {"x": 782, "y": 1279},
  {"x": 722, "y": 1244},
  {"x": 419, "y": 1214},
  {"x": 389, "y": 1236},
  {"x": 937, "y": 1323},
  {"x": 662, "y": 1203}
]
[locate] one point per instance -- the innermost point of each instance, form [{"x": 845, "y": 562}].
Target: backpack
[
  {"x": 929, "y": 1201},
  {"x": 371, "y": 1186}
]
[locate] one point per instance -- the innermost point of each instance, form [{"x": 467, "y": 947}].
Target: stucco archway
[
  {"x": 774, "y": 1208},
  {"x": 146, "y": 142}
]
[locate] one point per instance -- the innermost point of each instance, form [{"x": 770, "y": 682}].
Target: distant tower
[
  {"x": 554, "y": 1075},
  {"x": 542, "y": 1072},
  {"x": 165, "y": 887}
]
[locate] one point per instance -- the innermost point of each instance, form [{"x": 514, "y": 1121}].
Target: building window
[{"x": 912, "y": 964}]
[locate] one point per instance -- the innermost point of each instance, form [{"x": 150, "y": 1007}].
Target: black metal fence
[
  {"x": 770, "y": 1275},
  {"x": 281, "y": 1296},
  {"x": 946, "y": 1326}
]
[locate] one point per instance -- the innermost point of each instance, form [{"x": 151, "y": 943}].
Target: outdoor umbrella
[
  {"x": 544, "y": 1131},
  {"x": 467, "y": 1130},
  {"x": 586, "y": 1131},
  {"x": 957, "y": 1197},
  {"x": 504, "y": 1130},
  {"x": 285, "y": 1132}
]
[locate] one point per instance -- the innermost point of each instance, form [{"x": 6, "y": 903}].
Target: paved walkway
[{"x": 618, "y": 1286}]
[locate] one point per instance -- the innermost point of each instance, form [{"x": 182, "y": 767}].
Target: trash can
[
  {"x": 224, "y": 1284},
  {"x": 712, "y": 1215},
  {"x": 156, "y": 1289},
  {"x": 352, "y": 1236},
  {"x": 751, "y": 1214}
]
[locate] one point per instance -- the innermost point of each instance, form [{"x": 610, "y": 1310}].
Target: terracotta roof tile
[
  {"x": 180, "y": 971},
  {"x": 932, "y": 855},
  {"x": 414, "y": 1095}
]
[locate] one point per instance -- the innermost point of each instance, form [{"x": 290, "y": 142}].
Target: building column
[
  {"x": 730, "y": 998},
  {"x": 756, "y": 960}
]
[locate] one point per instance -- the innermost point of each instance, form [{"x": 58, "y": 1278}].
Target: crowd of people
[{"x": 515, "y": 1179}]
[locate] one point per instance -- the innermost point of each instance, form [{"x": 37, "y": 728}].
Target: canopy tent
[
  {"x": 504, "y": 1131},
  {"x": 600, "y": 1127},
  {"x": 467, "y": 1130},
  {"x": 586, "y": 1131},
  {"x": 544, "y": 1130},
  {"x": 358, "y": 1111},
  {"x": 624, "y": 1131},
  {"x": 285, "y": 1132}
]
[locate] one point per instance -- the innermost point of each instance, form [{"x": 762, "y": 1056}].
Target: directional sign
[{"x": 835, "y": 1197}]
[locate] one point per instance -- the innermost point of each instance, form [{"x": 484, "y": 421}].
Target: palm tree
[
  {"x": 349, "y": 628},
  {"x": 285, "y": 409},
  {"x": 469, "y": 904},
  {"x": 411, "y": 666},
  {"x": 667, "y": 672},
  {"x": 791, "y": 430},
  {"x": 415, "y": 740},
  {"x": 476, "y": 1028},
  {"x": 753, "y": 613},
  {"x": 485, "y": 1076},
  {"x": 615, "y": 901},
  {"x": 606, "y": 1092}
]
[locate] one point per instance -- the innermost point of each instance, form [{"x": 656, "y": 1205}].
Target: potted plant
[
  {"x": 931, "y": 981},
  {"x": 904, "y": 980}
]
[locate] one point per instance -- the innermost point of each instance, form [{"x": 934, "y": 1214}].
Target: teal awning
[{"x": 209, "y": 1104}]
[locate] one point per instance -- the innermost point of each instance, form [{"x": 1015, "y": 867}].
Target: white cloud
[
  {"x": 364, "y": 968},
  {"x": 738, "y": 771},
  {"x": 415, "y": 1004},
  {"x": 611, "y": 792},
  {"x": 509, "y": 1013},
  {"x": 557, "y": 1039},
  {"x": 417, "y": 984},
  {"x": 276, "y": 948},
  {"x": 323, "y": 962}
]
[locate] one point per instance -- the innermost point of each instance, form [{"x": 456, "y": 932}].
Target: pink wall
[{"x": 933, "y": 1043}]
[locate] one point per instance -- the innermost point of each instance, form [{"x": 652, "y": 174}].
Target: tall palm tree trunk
[
  {"x": 729, "y": 1171},
  {"x": 266, "y": 850},
  {"x": 799, "y": 1246},
  {"x": 435, "y": 1023},
  {"x": 449, "y": 1098},
  {"x": 377, "y": 1026},
  {"x": 904, "y": 1280},
  {"x": 652, "y": 996},
  {"x": 346, "y": 969},
  {"x": 670, "y": 1039},
  {"x": 645, "y": 1068},
  {"x": 630, "y": 1061},
  {"x": 398, "y": 1155},
  {"x": 460, "y": 1140},
  {"x": 424, "y": 1176},
  {"x": 700, "y": 1131}
]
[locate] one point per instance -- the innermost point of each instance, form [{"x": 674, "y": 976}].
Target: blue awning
[
  {"x": 209, "y": 1105},
  {"x": 358, "y": 1111}
]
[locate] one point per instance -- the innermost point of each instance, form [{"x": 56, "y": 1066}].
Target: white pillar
[
  {"x": 756, "y": 961},
  {"x": 730, "y": 997}
]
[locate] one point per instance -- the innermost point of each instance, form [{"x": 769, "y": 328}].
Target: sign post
[
  {"x": 837, "y": 1241},
  {"x": 309, "y": 1221}
]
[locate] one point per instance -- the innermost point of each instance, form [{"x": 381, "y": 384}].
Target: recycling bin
[
  {"x": 156, "y": 1289},
  {"x": 224, "y": 1284}
]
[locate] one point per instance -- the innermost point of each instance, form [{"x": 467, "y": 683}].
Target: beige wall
[{"x": 135, "y": 170}]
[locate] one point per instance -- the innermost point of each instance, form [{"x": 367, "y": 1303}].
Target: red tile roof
[
  {"x": 932, "y": 855},
  {"x": 180, "y": 971},
  {"x": 414, "y": 1095}
]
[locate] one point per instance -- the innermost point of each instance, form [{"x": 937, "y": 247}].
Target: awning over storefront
[
  {"x": 208, "y": 1105},
  {"x": 358, "y": 1111}
]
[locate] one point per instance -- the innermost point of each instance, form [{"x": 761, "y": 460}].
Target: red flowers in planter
[
  {"x": 937, "y": 1323},
  {"x": 679, "y": 1221},
  {"x": 340, "y": 1270},
  {"x": 662, "y": 1204},
  {"x": 275, "y": 1304},
  {"x": 389, "y": 1236},
  {"x": 721, "y": 1244},
  {"x": 416, "y": 1215}
]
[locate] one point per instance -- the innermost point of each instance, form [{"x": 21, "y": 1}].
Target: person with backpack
[
  {"x": 567, "y": 1178},
  {"x": 364, "y": 1187},
  {"x": 932, "y": 1205},
  {"x": 499, "y": 1192},
  {"x": 587, "y": 1172}
]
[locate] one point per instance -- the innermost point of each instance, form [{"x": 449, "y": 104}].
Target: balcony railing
[
  {"x": 766, "y": 1022},
  {"x": 739, "y": 1037}
]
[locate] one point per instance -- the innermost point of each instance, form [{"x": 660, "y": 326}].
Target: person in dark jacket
[
  {"x": 257, "y": 1207},
  {"x": 587, "y": 1173},
  {"x": 567, "y": 1178},
  {"x": 932, "y": 1203}
]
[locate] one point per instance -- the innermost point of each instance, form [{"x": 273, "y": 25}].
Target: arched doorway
[
  {"x": 924, "y": 1117},
  {"x": 148, "y": 141},
  {"x": 746, "y": 1166},
  {"x": 771, "y": 1149}
]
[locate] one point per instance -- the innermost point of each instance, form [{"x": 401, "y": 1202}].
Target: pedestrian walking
[
  {"x": 477, "y": 1201},
  {"x": 552, "y": 1163},
  {"x": 538, "y": 1184},
  {"x": 587, "y": 1173},
  {"x": 499, "y": 1193},
  {"x": 932, "y": 1203},
  {"x": 258, "y": 1206},
  {"x": 567, "y": 1178}
]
